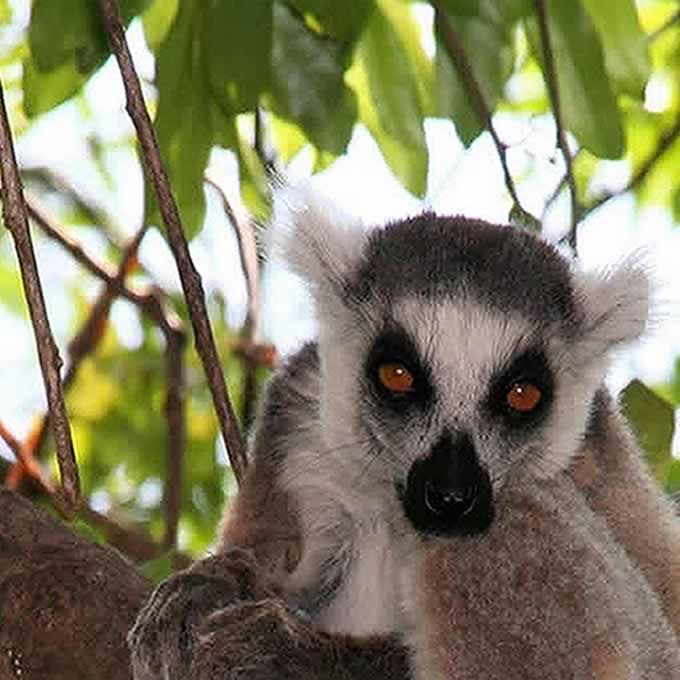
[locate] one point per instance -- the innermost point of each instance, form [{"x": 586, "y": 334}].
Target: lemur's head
[{"x": 458, "y": 354}]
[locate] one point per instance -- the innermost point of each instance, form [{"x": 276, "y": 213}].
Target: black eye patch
[
  {"x": 521, "y": 392},
  {"x": 394, "y": 347}
]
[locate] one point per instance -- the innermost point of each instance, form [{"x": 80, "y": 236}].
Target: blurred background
[{"x": 385, "y": 105}]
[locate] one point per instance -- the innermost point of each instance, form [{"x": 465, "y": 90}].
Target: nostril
[{"x": 450, "y": 501}]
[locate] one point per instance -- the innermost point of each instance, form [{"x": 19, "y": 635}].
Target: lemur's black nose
[{"x": 449, "y": 492}]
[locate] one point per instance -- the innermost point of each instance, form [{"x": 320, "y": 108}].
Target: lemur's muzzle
[{"x": 449, "y": 492}]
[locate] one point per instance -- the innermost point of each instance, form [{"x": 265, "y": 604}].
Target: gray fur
[
  {"x": 430, "y": 257},
  {"x": 290, "y": 405}
]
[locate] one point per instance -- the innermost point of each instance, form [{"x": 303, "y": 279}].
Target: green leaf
[
  {"x": 343, "y": 21},
  {"x": 389, "y": 101},
  {"x": 390, "y": 79},
  {"x": 308, "y": 83},
  {"x": 671, "y": 480},
  {"x": 255, "y": 189},
  {"x": 675, "y": 384},
  {"x": 159, "y": 568},
  {"x": 62, "y": 60},
  {"x": 237, "y": 43},
  {"x": 5, "y": 12},
  {"x": 157, "y": 21},
  {"x": 184, "y": 121},
  {"x": 588, "y": 106},
  {"x": 675, "y": 205},
  {"x": 624, "y": 42},
  {"x": 45, "y": 91},
  {"x": 79, "y": 32},
  {"x": 288, "y": 138},
  {"x": 11, "y": 289},
  {"x": 653, "y": 422},
  {"x": 486, "y": 37},
  {"x": 403, "y": 21},
  {"x": 663, "y": 181}
]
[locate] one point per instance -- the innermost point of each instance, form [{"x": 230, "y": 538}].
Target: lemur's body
[{"x": 352, "y": 466}]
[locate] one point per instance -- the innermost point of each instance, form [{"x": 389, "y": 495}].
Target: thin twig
[
  {"x": 149, "y": 302},
  {"x": 189, "y": 276},
  {"x": 554, "y": 92},
  {"x": 146, "y": 299},
  {"x": 247, "y": 250},
  {"x": 132, "y": 542},
  {"x": 262, "y": 150},
  {"x": 27, "y": 464},
  {"x": 51, "y": 229},
  {"x": 456, "y": 50},
  {"x": 16, "y": 221},
  {"x": 90, "y": 333},
  {"x": 174, "y": 413},
  {"x": 53, "y": 180},
  {"x": 665, "y": 142},
  {"x": 253, "y": 352},
  {"x": 674, "y": 19}
]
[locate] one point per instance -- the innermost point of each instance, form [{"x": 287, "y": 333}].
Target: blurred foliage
[
  {"x": 653, "y": 419},
  {"x": 320, "y": 68},
  {"x": 309, "y": 71}
]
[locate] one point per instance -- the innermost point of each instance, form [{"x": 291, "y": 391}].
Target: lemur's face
[
  {"x": 456, "y": 399},
  {"x": 459, "y": 356}
]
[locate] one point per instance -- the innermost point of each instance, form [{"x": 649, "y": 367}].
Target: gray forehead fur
[{"x": 434, "y": 256}]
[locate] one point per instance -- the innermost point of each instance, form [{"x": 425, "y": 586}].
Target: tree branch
[
  {"x": 666, "y": 141},
  {"x": 674, "y": 19},
  {"x": 54, "y": 181},
  {"x": 176, "y": 444},
  {"x": 87, "y": 338},
  {"x": 552, "y": 84},
  {"x": 136, "y": 545},
  {"x": 66, "y": 604},
  {"x": 27, "y": 464},
  {"x": 456, "y": 50},
  {"x": 50, "y": 362},
  {"x": 253, "y": 352},
  {"x": 189, "y": 276},
  {"x": 150, "y": 303}
]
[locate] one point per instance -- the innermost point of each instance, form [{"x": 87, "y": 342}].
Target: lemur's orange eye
[
  {"x": 395, "y": 377},
  {"x": 523, "y": 397}
]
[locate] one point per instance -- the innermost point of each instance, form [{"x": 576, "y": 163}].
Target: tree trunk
[{"x": 65, "y": 604}]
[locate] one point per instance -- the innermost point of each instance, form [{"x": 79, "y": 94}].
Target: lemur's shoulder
[
  {"x": 262, "y": 517},
  {"x": 290, "y": 407}
]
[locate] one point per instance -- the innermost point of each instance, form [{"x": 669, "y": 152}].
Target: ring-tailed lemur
[{"x": 454, "y": 358}]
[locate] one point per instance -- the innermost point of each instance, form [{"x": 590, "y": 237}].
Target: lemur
[{"x": 454, "y": 358}]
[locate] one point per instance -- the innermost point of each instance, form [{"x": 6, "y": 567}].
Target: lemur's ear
[
  {"x": 315, "y": 238},
  {"x": 616, "y": 305}
]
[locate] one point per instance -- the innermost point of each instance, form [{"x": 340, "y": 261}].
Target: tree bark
[{"x": 65, "y": 604}]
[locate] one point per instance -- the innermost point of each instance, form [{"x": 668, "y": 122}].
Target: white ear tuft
[
  {"x": 616, "y": 303},
  {"x": 314, "y": 237}
]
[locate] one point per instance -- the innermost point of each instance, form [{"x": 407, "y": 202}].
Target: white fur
[
  {"x": 315, "y": 238},
  {"x": 617, "y": 304}
]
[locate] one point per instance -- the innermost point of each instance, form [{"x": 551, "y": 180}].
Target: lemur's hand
[
  {"x": 164, "y": 637},
  {"x": 222, "y": 620},
  {"x": 260, "y": 640},
  {"x": 266, "y": 640}
]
